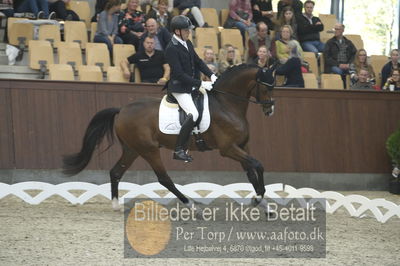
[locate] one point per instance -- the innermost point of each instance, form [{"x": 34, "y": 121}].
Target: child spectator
[{"x": 287, "y": 18}]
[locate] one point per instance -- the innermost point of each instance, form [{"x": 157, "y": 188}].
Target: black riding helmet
[{"x": 181, "y": 22}]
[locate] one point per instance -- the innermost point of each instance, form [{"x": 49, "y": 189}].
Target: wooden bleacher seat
[
  {"x": 329, "y": 21},
  {"x": 97, "y": 54},
  {"x": 356, "y": 40},
  {"x": 69, "y": 53},
  {"x": 223, "y": 16},
  {"x": 233, "y": 37},
  {"x": 210, "y": 16},
  {"x": 377, "y": 62},
  {"x": 93, "y": 29},
  {"x": 310, "y": 81},
  {"x": 310, "y": 58},
  {"x": 75, "y": 31},
  {"x": 50, "y": 33},
  {"x": 82, "y": 9},
  {"x": 115, "y": 74},
  {"x": 122, "y": 51},
  {"x": 331, "y": 81},
  {"x": 207, "y": 37},
  {"x": 61, "y": 72},
  {"x": 19, "y": 33},
  {"x": 90, "y": 73},
  {"x": 40, "y": 55}
]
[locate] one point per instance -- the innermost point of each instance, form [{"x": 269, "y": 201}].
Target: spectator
[
  {"x": 241, "y": 16},
  {"x": 7, "y": 8},
  {"x": 309, "y": 28},
  {"x": 107, "y": 25},
  {"x": 292, "y": 68},
  {"x": 100, "y": 5},
  {"x": 228, "y": 58},
  {"x": 209, "y": 59},
  {"x": 191, "y": 9},
  {"x": 282, "y": 45},
  {"x": 360, "y": 61},
  {"x": 62, "y": 10},
  {"x": 151, "y": 63},
  {"x": 393, "y": 82},
  {"x": 262, "y": 12},
  {"x": 339, "y": 53},
  {"x": 40, "y": 8},
  {"x": 264, "y": 58},
  {"x": 363, "y": 81},
  {"x": 288, "y": 18},
  {"x": 296, "y": 5},
  {"x": 160, "y": 34},
  {"x": 131, "y": 24},
  {"x": 161, "y": 14},
  {"x": 258, "y": 40},
  {"x": 390, "y": 66}
]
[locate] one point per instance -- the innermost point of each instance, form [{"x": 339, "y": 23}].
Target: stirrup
[{"x": 182, "y": 155}]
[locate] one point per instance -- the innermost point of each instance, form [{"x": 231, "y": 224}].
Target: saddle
[{"x": 172, "y": 116}]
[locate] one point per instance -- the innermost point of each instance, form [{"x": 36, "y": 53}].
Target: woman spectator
[
  {"x": 393, "y": 82},
  {"x": 107, "y": 25},
  {"x": 360, "y": 62},
  {"x": 282, "y": 45},
  {"x": 161, "y": 14},
  {"x": 264, "y": 58},
  {"x": 228, "y": 58},
  {"x": 296, "y": 5},
  {"x": 241, "y": 16},
  {"x": 131, "y": 24},
  {"x": 62, "y": 10},
  {"x": 292, "y": 68},
  {"x": 262, "y": 11},
  {"x": 191, "y": 9},
  {"x": 287, "y": 18},
  {"x": 209, "y": 58},
  {"x": 390, "y": 66}
]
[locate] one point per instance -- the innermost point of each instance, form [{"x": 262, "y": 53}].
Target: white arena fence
[{"x": 356, "y": 205}]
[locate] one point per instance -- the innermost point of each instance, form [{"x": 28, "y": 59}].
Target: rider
[{"x": 185, "y": 65}]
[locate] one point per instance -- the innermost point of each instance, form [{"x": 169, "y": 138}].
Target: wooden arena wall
[{"x": 332, "y": 131}]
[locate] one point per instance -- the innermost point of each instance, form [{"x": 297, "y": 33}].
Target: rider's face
[{"x": 185, "y": 34}]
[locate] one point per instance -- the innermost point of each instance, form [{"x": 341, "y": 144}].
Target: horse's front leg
[{"x": 253, "y": 168}]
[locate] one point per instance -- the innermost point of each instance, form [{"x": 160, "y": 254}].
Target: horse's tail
[{"x": 101, "y": 124}]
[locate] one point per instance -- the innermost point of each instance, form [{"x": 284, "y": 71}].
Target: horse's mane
[{"x": 232, "y": 72}]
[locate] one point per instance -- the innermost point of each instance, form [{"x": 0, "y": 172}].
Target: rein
[{"x": 237, "y": 97}]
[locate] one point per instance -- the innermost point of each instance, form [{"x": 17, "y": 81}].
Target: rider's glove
[
  {"x": 213, "y": 78},
  {"x": 207, "y": 85}
]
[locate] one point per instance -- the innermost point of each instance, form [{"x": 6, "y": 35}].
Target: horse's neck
[{"x": 236, "y": 98}]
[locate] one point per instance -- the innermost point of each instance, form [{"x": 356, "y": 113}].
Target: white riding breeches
[
  {"x": 198, "y": 16},
  {"x": 186, "y": 102}
]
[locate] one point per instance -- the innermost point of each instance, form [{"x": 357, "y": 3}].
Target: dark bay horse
[{"x": 136, "y": 126}]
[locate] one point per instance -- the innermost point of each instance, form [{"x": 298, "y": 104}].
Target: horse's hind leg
[
  {"x": 116, "y": 173},
  {"x": 154, "y": 159}
]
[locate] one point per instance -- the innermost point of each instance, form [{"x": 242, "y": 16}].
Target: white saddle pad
[{"x": 168, "y": 117}]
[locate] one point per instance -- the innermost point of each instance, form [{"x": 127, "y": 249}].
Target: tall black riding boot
[{"x": 183, "y": 139}]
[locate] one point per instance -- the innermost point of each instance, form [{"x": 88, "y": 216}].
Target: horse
[{"x": 136, "y": 127}]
